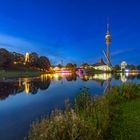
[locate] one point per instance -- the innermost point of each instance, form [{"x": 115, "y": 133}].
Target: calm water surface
[{"x": 25, "y": 100}]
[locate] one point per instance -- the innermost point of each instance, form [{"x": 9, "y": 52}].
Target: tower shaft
[
  {"x": 108, "y": 42},
  {"x": 108, "y": 54}
]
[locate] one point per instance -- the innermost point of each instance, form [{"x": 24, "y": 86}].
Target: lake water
[{"x": 25, "y": 100}]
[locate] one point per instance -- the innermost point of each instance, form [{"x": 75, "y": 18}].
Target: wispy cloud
[
  {"x": 123, "y": 51},
  {"x": 13, "y": 43},
  {"x": 21, "y": 45}
]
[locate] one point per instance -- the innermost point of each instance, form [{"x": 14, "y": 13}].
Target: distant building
[
  {"x": 56, "y": 68},
  {"x": 101, "y": 66},
  {"x": 123, "y": 65}
]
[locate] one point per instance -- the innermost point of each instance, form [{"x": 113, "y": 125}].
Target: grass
[
  {"x": 113, "y": 116},
  {"x": 19, "y": 70},
  {"x": 126, "y": 123},
  {"x": 13, "y": 74}
]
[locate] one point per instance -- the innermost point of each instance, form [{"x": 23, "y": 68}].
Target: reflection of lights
[
  {"x": 27, "y": 86},
  {"x": 49, "y": 75},
  {"x": 44, "y": 77},
  {"x": 86, "y": 77},
  {"x": 104, "y": 76},
  {"x": 123, "y": 77},
  {"x": 127, "y": 74},
  {"x": 90, "y": 77},
  {"x": 56, "y": 76},
  {"x": 64, "y": 71},
  {"x": 19, "y": 83}
]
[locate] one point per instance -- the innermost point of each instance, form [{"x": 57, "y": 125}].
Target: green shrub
[
  {"x": 62, "y": 126},
  {"x": 122, "y": 93},
  {"x": 90, "y": 118}
]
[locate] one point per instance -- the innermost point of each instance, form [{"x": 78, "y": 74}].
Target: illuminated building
[
  {"x": 27, "y": 57},
  {"x": 101, "y": 66},
  {"x": 56, "y": 68},
  {"x": 123, "y": 65}
]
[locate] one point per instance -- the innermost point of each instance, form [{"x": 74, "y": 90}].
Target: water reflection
[
  {"x": 29, "y": 85},
  {"x": 33, "y": 85}
]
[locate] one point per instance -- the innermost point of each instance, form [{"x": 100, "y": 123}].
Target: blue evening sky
[{"x": 71, "y": 30}]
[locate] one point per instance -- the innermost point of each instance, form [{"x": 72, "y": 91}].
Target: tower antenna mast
[{"x": 108, "y": 30}]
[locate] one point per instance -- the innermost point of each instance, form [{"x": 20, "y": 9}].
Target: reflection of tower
[
  {"x": 27, "y": 86},
  {"x": 108, "y": 42},
  {"x": 107, "y": 87}
]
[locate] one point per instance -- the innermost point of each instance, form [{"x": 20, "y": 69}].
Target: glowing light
[
  {"x": 56, "y": 76},
  {"x": 15, "y": 62},
  {"x": 127, "y": 74},
  {"x": 27, "y": 57},
  {"x": 63, "y": 71},
  {"x": 126, "y": 70},
  {"x": 104, "y": 76}
]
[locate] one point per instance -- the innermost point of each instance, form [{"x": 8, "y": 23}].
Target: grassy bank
[
  {"x": 126, "y": 122},
  {"x": 19, "y": 70},
  {"x": 14, "y": 74},
  {"x": 113, "y": 116}
]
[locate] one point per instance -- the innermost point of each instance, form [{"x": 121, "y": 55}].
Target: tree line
[
  {"x": 8, "y": 59},
  {"x": 129, "y": 67}
]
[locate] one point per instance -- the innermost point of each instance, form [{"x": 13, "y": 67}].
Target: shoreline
[
  {"x": 20, "y": 74},
  {"x": 32, "y": 73}
]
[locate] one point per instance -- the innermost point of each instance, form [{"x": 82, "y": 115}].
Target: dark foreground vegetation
[{"x": 113, "y": 116}]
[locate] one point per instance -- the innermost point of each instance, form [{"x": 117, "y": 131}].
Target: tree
[
  {"x": 71, "y": 66},
  {"x": 131, "y": 67},
  {"x": 59, "y": 65},
  {"x": 84, "y": 65},
  {"x": 117, "y": 67},
  {"x": 33, "y": 59},
  {"x": 138, "y": 67},
  {"x": 6, "y": 58},
  {"x": 18, "y": 58},
  {"x": 44, "y": 63}
]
